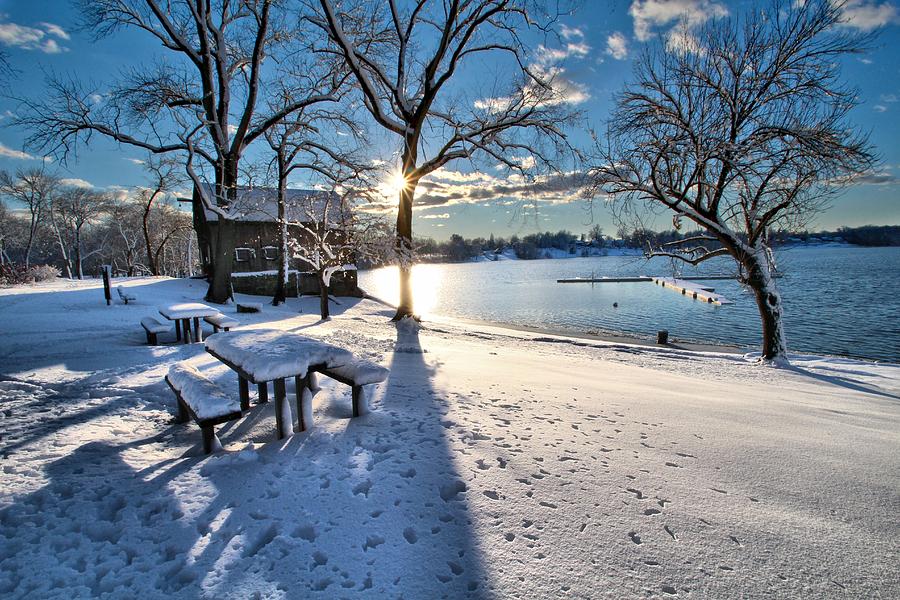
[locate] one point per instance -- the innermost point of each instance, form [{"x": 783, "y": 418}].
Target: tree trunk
[
  {"x": 79, "y": 273},
  {"x": 768, "y": 300},
  {"x": 323, "y": 297},
  {"x": 281, "y": 284},
  {"x": 220, "y": 284},
  {"x": 404, "y": 232},
  {"x": 152, "y": 263}
]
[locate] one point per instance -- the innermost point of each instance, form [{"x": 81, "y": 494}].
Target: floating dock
[
  {"x": 693, "y": 290},
  {"x": 605, "y": 279}
]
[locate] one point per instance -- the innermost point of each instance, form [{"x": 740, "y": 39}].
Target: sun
[{"x": 393, "y": 184}]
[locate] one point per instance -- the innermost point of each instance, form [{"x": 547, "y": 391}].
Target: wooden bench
[
  {"x": 154, "y": 328},
  {"x": 202, "y": 400},
  {"x": 125, "y": 296},
  {"x": 221, "y": 321},
  {"x": 356, "y": 374}
]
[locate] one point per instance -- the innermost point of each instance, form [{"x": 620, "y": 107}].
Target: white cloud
[
  {"x": 55, "y": 30},
  {"x": 880, "y": 108},
  {"x": 617, "y": 46},
  {"x": 570, "y": 33},
  {"x": 867, "y": 15},
  {"x": 76, "y": 182},
  {"x": 7, "y": 152},
  {"x": 32, "y": 38},
  {"x": 136, "y": 161},
  {"x": 650, "y": 14}
]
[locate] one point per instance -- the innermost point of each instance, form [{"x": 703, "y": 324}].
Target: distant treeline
[{"x": 534, "y": 245}]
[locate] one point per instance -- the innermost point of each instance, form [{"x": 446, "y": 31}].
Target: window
[
  {"x": 270, "y": 252},
  {"x": 243, "y": 254}
]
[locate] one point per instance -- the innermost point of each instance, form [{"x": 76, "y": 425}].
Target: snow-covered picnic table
[
  {"x": 262, "y": 355},
  {"x": 182, "y": 313}
]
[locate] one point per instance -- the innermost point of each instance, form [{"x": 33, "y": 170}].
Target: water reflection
[{"x": 427, "y": 281}]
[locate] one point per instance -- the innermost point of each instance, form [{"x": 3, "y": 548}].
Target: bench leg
[
  {"x": 183, "y": 415},
  {"x": 304, "y": 397},
  {"x": 263, "y": 392},
  {"x": 208, "y": 436},
  {"x": 198, "y": 332},
  {"x": 215, "y": 328},
  {"x": 244, "y": 390},
  {"x": 355, "y": 393},
  {"x": 283, "y": 421},
  {"x": 177, "y": 330}
]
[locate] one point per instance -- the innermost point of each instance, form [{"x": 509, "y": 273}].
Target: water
[{"x": 842, "y": 300}]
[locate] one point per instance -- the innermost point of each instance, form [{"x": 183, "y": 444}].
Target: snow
[
  {"x": 204, "y": 397},
  {"x": 494, "y": 463},
  {"x": 267, "y": 354},
  {"x": 187, "y": 310},
  {"x": 362, "y": 372}
]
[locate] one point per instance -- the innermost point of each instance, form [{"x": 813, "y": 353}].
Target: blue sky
[{"x": 595, "y": 48}]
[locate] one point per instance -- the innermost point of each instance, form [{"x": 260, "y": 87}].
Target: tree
[
  {"x": 740, "y": 128},
  {"x": 73, "y": 212},
  {"x": 202, "y": 101},
  {"x": 403, "y": 60},
  {"x": 35, "y": 189},
  {"x": 164, "y": 179}
]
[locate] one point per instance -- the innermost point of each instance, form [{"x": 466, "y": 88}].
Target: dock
[
  {"x": 605, "y": 279},
  {"x": 693, "y": 290}
]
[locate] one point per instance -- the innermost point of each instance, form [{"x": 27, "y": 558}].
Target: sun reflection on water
[{"x": 426, "y": 286}]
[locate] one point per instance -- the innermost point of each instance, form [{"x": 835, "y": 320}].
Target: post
[
  {"x": 263, "y": 388},
  {"x": 177, "y": 330},
  {"x": 662, "y": 337},
  {"x": 107, "y": 273},
  {"x": 198, "y": 333}
]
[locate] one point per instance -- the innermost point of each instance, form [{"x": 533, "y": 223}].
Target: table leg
[
  {"x": 177, "y": 330},
  {"x": 244, "y": 391},
  {"x": 198, "y": 333},
  {"x": 263, "y": 388},
  {"x": 186, "y": 329},
  {"x": 304, "y": 397},
  {"x": 283, "y": 419}
]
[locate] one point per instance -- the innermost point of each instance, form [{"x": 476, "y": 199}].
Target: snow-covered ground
[{"x": 494, "y": 464}]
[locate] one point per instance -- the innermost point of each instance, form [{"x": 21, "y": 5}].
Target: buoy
[{"x": 615, "y": 305}]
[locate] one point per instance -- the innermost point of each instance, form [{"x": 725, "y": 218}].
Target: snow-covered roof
[{"x": 260, "y": 205}]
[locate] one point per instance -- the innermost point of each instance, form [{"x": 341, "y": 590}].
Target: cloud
[
  {"x": 76, "y": 182},
  {"x": 889, "y": 98},
  {"x": 447, "y": 188},
  {"x": 617, "y": 46},
  {"x": 880, "y": 108},
  {"x": 876, "y": 178},
  {"x": 867, "y": 15},
  {"x": 55, "y": 30},
  {"x": 7, "y": 152},
  {"x": 136, "y": 161},
  {"x": 571, "y": 33},
  {"x": 32, "y": 38},
  {"x": 563, "y": 91},
  {"x": 651, "y": 14}
]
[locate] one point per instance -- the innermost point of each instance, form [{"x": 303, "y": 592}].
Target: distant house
[{"x": 257, "y": 249}]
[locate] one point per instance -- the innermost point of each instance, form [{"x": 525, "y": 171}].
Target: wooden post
[
  {"x": 183, "y": 415},
  {"x": 662, "y": 337},
  {"x": 263, "y": 388},
  {"x": 208, "y": 436},
  {"x": 244, "y": 392},
  {"x": 284, "y": 429},
  {"x": 186, "y": 328},
  {"x": 107, "y": 291},
  {"x": 355, "y": 394},
  {"x": 198, "y": 333},
  {"x": 177, "y": 330}
]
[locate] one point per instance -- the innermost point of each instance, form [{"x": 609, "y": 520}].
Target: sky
[{"x": 594, "y": 49}]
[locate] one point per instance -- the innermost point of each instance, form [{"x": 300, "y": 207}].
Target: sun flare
[{"x": 393, "y": 184}]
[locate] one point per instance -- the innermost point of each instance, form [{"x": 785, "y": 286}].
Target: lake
[{"x": 838, "y": 300}]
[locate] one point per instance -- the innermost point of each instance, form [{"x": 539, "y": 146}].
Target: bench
[
  {"x": 153, "y": 328},
  {"x": 221, "y": 321},
  {"x": 357, "y": 374},
  {"x": 125, "y": 296},
  {"x": 249, "y": 307},
  {"x": 202, "y": 400}
]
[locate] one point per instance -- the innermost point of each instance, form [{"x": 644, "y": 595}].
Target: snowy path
[{"x": 495, "y": 464}]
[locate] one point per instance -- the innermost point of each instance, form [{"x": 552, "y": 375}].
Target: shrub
[{"x": 12, "y": 274}]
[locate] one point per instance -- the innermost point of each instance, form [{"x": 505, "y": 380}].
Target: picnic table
[
  {"x": 182, "y": 313},
  {"x": 263, "y": 355}
]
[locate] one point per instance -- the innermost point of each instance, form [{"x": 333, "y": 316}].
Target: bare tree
[
  {"x": 73, "y": 212},
  {"x": 403, "y": 60},
  {"x": 164, "y": 179},
  {"x": 203, "y": 101},
  {"x": 739, "y": 129},
  {"x": 33, "y": 188}
]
